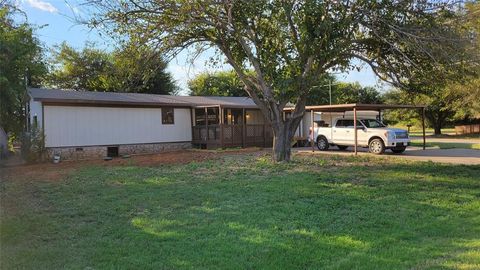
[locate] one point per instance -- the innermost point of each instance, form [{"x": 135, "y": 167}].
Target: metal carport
[{"x": 361, "y": 107}]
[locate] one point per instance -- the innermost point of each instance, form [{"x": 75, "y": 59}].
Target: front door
[{"x": 233, "y": 127}]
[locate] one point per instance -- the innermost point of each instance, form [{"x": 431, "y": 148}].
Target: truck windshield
[{"x": 372, "y": 123}]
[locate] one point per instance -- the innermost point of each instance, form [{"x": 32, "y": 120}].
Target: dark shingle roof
[{"x": 87, "y": 97}]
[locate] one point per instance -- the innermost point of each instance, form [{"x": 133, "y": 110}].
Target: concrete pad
[{"x": 453, "y": 156}]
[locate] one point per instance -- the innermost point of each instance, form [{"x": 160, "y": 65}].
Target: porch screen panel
[{"x": 200, "y": 117}]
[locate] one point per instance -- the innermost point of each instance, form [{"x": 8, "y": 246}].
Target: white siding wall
[
  {"x": 83, "y": 126},
  {"x": 36, "y": 110}
]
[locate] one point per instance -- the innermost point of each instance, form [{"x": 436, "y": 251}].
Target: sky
[{"x": 55, "y": 18}]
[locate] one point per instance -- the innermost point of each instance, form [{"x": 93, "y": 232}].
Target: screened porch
[{"x": 222, "y": 127}]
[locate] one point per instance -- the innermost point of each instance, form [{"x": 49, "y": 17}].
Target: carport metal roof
[
  {"x": 358, "y": 106},
  {"x": 361, "y": 107}
]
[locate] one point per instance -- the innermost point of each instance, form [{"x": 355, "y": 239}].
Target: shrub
[{"x": 33, "y": 144}]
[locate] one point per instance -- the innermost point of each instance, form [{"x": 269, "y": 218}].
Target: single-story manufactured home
[{"x": 80, "y": 124}]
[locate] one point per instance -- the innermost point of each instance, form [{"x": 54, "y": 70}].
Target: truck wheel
[
  {"x": 342, "y": 147},
  {"x": 376, "y": 146},
  {"x": 322, "y": 143},
  {"x": 398, "y": 150}
]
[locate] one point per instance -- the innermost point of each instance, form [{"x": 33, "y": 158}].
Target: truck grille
[{"x": 401, "y": 135}]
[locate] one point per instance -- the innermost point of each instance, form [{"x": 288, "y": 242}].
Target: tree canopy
[
  {"x": 450, "y": 94},
  {"x": 21, "y": 64},
  {"x": 220, "y": 83},
  {"x": 343, "y": 93},
  {"x": 227, "y": 83},
  {"x": 129, "y": 69}
]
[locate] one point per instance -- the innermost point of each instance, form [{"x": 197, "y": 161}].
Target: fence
[{"x": 467, "y": 129}]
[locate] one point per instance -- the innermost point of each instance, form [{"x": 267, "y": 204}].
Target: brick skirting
[{"x": 92, "y": 152}]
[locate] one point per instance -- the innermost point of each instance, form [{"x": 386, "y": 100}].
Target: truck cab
[{"x": 371, "y": 133}]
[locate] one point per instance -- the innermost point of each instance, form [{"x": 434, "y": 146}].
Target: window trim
[{"x": 164, "y": 113}]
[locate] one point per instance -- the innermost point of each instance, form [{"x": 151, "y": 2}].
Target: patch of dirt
[{"x": 57, "y": 172}]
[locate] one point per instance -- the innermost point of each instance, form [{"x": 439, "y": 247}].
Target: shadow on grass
[{"x": 339, "y": 213}]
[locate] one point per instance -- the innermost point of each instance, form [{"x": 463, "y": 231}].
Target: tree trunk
[
  {"x": 438, "y": 124},
  {"x": 436, "y": 119},
  {"x": 283, "y": 134},
  {"x": 282, "y": 148}
]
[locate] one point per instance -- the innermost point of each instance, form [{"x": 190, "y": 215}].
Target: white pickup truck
[{"x": 371, "y": 133}]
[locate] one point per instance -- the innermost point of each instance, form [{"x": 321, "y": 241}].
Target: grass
[
  {"x": 417, "y": 131},
  {"x": 447, "y": 145},
  {"x": 446, "y": 133},
  {"x": 243, "y": 212}
]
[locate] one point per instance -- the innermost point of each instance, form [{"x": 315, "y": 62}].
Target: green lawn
[
  {"x": 415, "y": 131},
  {"x": 447, "y": 145},
  {"x": 446, "y": 133},
  {"x": 243, "y": 212}
]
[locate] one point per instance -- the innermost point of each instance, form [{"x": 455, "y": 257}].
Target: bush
[{"x": 33, "y": 144}]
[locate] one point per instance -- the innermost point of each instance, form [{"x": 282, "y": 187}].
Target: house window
[
  {"x": 167, "y": 116},
  {"x": 200, "y": 117}
]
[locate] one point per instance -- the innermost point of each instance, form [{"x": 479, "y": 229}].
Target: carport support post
[
  {"x": 355, "y": 127},
  {"x": 311, "y": 128},
  {"x": 423, "y": 126}
]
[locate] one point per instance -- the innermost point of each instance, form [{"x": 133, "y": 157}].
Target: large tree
[
  {"x": 20, "y": 65},
  {"x": 440, "y": 107},
  {"x": 450, "y": 94},
  {"x": 131, "y": 68},
  {"x": 469, "y": 89},
  {"x": 220, "y": 83},
  {"x": 288, "y": 44}
]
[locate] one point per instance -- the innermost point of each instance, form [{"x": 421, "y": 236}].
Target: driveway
[{"x": 454, "y": 156}]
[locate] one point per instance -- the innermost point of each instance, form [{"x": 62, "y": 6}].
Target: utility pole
[{"x": 330, "y": 90}]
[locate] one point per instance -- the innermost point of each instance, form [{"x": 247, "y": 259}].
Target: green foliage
[
  {"x": 89, "y": 69},
  {"x": 129, "y": 69},
  {"x": 355, "y": 93},
  {"x": 245, "y": 212},
  {"x": 449, "y": 96},
  {"x": 140, "y": 69},
  {"x": 440, "y": 107},
  {"x": 450, "y": 92},
  {"x": 342, "y": 92},
  {"x": 221, "y": 83},
  {"x": 227, "y": 83},
  {"x": 20, "y": 65},
  {"x": 33, "y": 144},
  {"x": 469, "y": 89}
]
